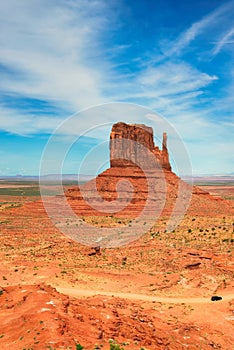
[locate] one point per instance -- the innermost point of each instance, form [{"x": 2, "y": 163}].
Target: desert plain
[{"x": 154, "y": 293}]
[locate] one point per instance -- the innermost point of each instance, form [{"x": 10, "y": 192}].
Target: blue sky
[{"x": 58, "y": 57}]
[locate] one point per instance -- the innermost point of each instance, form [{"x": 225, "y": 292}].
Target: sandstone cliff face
[{"x": 125, "y": 154}]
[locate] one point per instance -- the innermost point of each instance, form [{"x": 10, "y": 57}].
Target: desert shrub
[
  {"x": 79, "y": 347},
  {"x": 114, "y": 345},
  {"x": 154, "y": 234}
]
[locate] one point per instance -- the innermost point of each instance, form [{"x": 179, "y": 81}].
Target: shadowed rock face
[{"x": 121, "y": 150}]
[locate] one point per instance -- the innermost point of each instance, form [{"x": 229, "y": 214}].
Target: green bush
[
  {"x": 79, "y": 347},
  {"x": 114, "y": 345}
]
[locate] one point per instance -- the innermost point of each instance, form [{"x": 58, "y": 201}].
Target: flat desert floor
[{"x": 152, "y": 294}]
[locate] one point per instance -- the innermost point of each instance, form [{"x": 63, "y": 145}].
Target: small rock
[{"x": 193, "y": 266}]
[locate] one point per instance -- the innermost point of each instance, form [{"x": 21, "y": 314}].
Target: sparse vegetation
[
  {"x": 113, "y": 346},
  {"x": 79, "y": 347},
  {"x": 21, "y": 191},
  {"x": 153, "y": 265}
]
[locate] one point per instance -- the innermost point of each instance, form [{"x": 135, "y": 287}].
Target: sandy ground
[
  {"x": 75, "y": 292},
  {"x": 152, "y": 294}
]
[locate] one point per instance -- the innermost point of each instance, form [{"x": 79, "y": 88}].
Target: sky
[{"x": 60, "y": 57}]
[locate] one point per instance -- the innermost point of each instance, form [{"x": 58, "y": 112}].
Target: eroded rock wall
[{"x": 125, "y": 154}]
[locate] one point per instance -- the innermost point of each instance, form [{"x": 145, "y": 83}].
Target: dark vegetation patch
[{"x": 20, "y": 191}]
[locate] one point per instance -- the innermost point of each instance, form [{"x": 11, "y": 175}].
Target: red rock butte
[
  {"x": 131, "y": 145},
  {"x": 141, "y": 134}
]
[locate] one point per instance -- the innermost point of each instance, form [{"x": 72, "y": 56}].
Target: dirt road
[{"x": 79, "y": 293}]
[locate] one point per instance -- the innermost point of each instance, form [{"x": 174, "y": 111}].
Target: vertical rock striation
[{"x": 121, "y": 150}]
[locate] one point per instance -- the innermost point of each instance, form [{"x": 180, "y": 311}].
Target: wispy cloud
[
  {"x": 14, "y": 121},
  {"x": 196, "y": 29},
  {"x": 227, "y": 38},
  {"x": 172, "y": 78},
  {"x": 49, "y": 45}
]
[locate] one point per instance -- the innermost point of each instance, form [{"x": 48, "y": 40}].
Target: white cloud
[
  {"x": 50, "y": 44},
  {"x": 14, "y": 121},
  {"x": 226, "y": 39},
  {"x": 173, "y": 78},
  {"x": 171, "y": 88},
  {"x": 196, "y": 29}
]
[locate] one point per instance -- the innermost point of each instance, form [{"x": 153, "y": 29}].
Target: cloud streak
[
  {"x": 226, "y": 39},
  {"x": 196, "y": 29}
]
